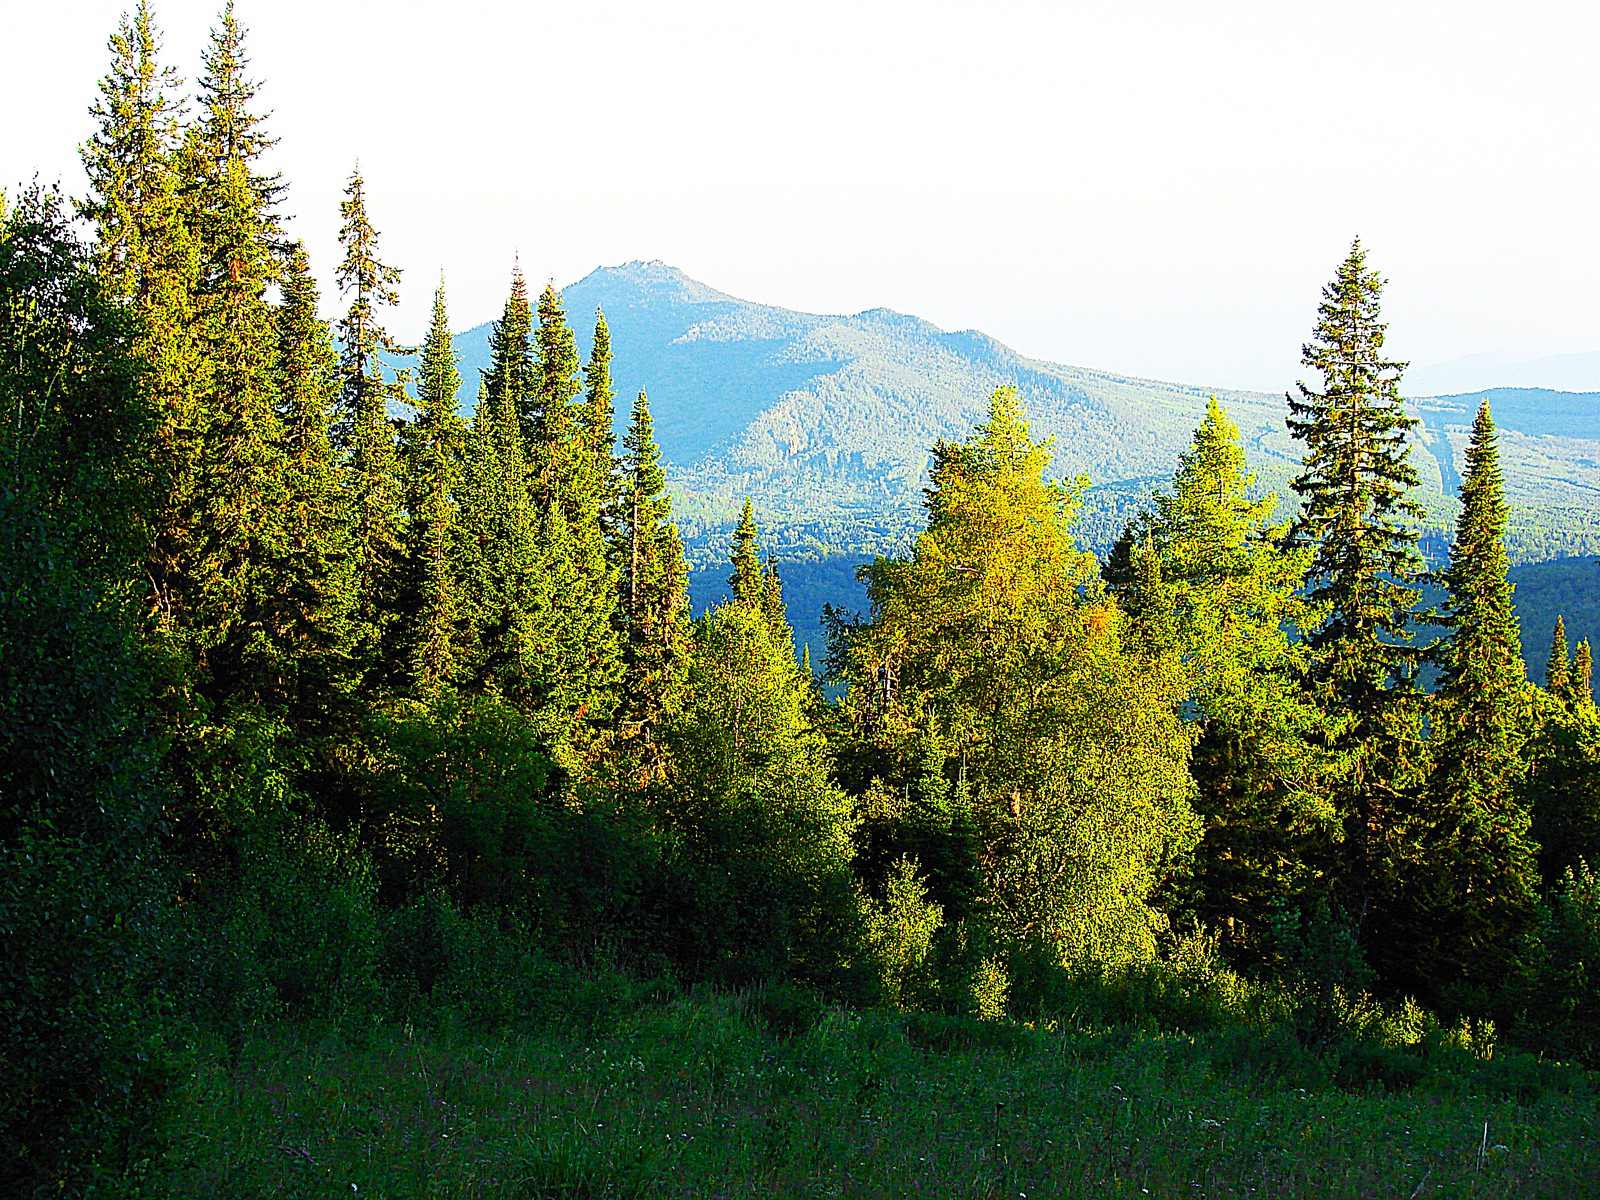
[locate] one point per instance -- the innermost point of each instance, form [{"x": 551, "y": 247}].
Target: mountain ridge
[{"x": 830, "y": 417}]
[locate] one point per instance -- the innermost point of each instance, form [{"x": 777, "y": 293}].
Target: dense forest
[{"x": 323, "y": 705}]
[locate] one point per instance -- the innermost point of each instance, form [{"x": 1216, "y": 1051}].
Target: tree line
[{"x": 323, "y": 703}]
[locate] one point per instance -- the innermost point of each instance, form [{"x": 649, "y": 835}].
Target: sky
[{"x": 1155, "y": 188}]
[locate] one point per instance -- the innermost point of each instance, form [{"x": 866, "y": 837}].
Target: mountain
[
  {"x": 827, "y": 420},
  {"x": 1475, "y": 372}
]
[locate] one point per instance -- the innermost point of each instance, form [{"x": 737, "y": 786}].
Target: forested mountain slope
[{"x": 826, "y": 420}]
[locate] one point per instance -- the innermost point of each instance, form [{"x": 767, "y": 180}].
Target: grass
[{"x": 716, "y": 1096}]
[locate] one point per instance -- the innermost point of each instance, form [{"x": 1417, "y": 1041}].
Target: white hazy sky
[{"x": 1155, "y": 188}]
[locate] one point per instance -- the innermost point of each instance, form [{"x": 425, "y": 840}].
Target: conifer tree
[
  {"x": 237, "y": 506},
  {"x": 129, "y": 159},
  {"x": 1356, "y": 517},
  {"x": 229, "y": 129},
  {"x": 596, "y": 423},
  {"x": 1225, "y": 593},
  {"x": 1558, "y": 667},
  {"x": 578, "y": 645},
  {"x": 1474, "y": 880},
  {"x": 1582, "y": 683},
  {"x": 145, "y": 252},
  {"x": 435, "y": 607},
  {"x": 748, "y": 581},
  {"x": 654, "y": 606},
  {"x": 505, "y": 583},
  {"x": 369, "y": 388},
  {"x": 313, "y": 583},
  {"x": 551, "y": 416}
]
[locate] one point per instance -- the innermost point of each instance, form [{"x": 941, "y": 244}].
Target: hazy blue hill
[
  {"x": 1565, "y": 587},
  {"x": 822, "y": 416},
  {"x": 826, "y": 420}
]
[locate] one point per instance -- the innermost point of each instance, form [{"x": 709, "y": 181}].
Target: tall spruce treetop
[
  {"x": 308, "y": 389},
  {"x": 439, "y": 374},
  {"x": 1582, "y": 683},
  {"x": 511, "y": 381},
  {"x": 313, "y": 585},
  {"x": 1355, "y": 484},
  {"x": 371, "y": 285},
  {"x": 551, "y": 419},
  {"x": 128, "y": 158},
  {"x": 229, "y": 131},
  {"x": 1470, "y": 892},
  {"x": 496, "y": 514},
  {"x": 377, "y": 490},
  {"x": 1558, "y": 667},
  {"x": 747, "y": 581},
  {"x": 1483, "y": 667},
  {"x": 436, "y": 608},
  {"x": 596, "y": 422}
]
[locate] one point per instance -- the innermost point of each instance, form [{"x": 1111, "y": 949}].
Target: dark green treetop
[{"x": 1558, "y": 667}]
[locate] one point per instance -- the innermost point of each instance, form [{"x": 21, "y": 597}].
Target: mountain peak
[{"x": 650, "y": 282}]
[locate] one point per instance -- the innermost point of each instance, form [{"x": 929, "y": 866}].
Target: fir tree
[
  {"x": 1356, "y": 517},
  {"x": 654, "y": 607},
  {"x": 602, "y": 476},
  {"x": 230, "y": 130},
  {"x": 1225, "y": 593},
  {"x": 579, "y": 657},
  {"x": 551, "y": 418},
  {"x": 145, "y": 251},
  {"x": 434, "y": 444},
  {"x": 1582, "y": 682},
  {"x": 1355, "y": 490},
  {"x": 236, "y": 508},
  {"x": 369, "y": 388},
  {"x": 1474, "y": 880},
  {"x": 314, "y": 592},
  {"x": 496, "y": 512},
  {"x": 129, "y": 159},
  {"x": 747, "y": 581},
  {"x": 1558, "y": 667}
]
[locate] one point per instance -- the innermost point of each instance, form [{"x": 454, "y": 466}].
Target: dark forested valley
[{"x": 380, "y": 816}]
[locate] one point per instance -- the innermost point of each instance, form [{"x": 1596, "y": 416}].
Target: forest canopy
[{"x": 324, "y": 703}]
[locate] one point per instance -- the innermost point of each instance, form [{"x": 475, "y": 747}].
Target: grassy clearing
[{"x": 726, "y": 1097}]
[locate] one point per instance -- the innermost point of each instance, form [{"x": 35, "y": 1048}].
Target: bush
[{"x": 1562, "y": 1000}]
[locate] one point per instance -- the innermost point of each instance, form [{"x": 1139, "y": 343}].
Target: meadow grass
[{"x": 715, "y": 1096}]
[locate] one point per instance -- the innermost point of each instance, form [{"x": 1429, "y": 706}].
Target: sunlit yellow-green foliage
[
  {"x": 997, "y": 632},
  {"x": 747, "y": 790}
]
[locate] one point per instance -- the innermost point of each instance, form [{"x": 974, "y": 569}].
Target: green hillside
[{"x": 826, "y": 420}]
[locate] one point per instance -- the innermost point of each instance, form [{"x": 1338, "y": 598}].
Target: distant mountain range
[{"x": 826, "y": 421}]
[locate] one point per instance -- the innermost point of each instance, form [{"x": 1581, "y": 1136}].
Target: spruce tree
[
  {"x": 1356, "y": 517},
  {"x": 504, "y": 582},
  {"x": 1224, "y": 592},
  {"x": 313, "y": 588},
  {"x": 145, "y": 252},
  {"x": 1474, "y": 879},
  {"x": 434, "y": 605},
  {"x": 579, "y": 660},
  {"x": 229, "y": 129},
  {"x": 747, "y": 581},
  {"x": 370, "y": 386},
  {"x": 654, "y": 606},
  {"x": 551, "y": 417},
  {"x": 602, "y": 473},
  {"x": 1558, "y": 666},
  {"x": 1581, "y": 685},
  {"x": 129, "y": 159},
  {"x": 237, "y": 507}
]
